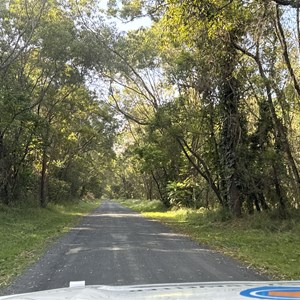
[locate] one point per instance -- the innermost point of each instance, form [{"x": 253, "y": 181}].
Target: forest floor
[
  {"x": 262, "y": 241},
  {"x": 25, "y": 232}
]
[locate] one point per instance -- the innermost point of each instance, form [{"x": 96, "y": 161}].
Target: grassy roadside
[
  {"x": 261, "y": 241},
  {"x": 25, "y": 232}
]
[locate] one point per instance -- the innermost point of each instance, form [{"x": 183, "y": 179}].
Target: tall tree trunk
[
  {"x": 298, "y": 28},
  {"x": 148, "y": 187},
  {"x": 4, "y": 173},
  {"x": 1, "y": 168},
  {"x": 205, "y": 173},
  {"x": 279, "y": 192},
  {"x": 231, "y": 133},
  {"x": 43, "y": 201},
  {"x": 1, "y": 146},
  {"x": 160, "y": 191},
  {"x": 281, "y": 138}
]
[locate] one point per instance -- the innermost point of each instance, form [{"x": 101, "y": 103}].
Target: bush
[{"x": 58, "y": 190}]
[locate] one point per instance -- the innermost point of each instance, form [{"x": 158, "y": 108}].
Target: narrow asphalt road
[{"x": 116, "y": 246}]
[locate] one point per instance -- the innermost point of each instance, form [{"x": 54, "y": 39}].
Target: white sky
[{"x": 136, "y": 24}]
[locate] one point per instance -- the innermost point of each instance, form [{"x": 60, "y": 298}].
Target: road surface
[{"x": 116, "y": 246}]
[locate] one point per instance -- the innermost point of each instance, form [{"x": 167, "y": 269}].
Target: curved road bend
[{"x": 116, "y": 246}]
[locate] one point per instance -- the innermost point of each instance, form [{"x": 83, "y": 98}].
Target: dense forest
[{"x": 199, "y": 109}]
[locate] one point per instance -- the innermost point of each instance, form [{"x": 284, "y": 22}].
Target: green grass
[
  {"x": 25, "y": 232},
  {"x": 144, "y": 206},
  {"x": 261, "y": 241}
]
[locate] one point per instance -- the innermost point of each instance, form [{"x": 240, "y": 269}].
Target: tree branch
[
  {"x": 285, "y": 53},
  {"x": 206, "y": 173},
  {"x": 123, "y": 112},
  {"x": 292, "y": 3}
]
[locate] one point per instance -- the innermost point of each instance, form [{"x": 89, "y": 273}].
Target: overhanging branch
[
  {"x": 126, "y": 114},
  {"x": 292, "y": 3}
]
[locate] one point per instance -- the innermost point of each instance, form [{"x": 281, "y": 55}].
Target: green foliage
[
  {"x": 208, "y": 97},
  {"x": 179, "y": 194},
  {"x": 218, "y": 113},
  {"x": 55, "y": 134},
  {"x": 143, "y": 205}
]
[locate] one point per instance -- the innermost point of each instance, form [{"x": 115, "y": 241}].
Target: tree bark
[
  {"x": 298, "y": 28},
  {"x": 231, "y": 133},
  {"x": 161, "y": 193},
  {"x": 205, "y": 174},
  {"x": 279, "y": 192},
  {"x": 280, "y": 135},
  {"x": 43, "y": 201},
  {"x": 292, "y": 3}
]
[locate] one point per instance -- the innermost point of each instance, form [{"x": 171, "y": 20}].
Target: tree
[
  {"x": 50, "y": 119},
  {"x": 219, "y": 53}
]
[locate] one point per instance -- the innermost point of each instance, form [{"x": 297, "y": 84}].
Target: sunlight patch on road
[
  {"x": 76, "y": 250},
  {"x": 117, "y": 215},
  {"x": 83, "y": 228},
  {"x": 171, "y": 234}
]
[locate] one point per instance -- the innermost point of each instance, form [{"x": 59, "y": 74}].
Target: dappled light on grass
[
  {"x": 143, "y": 206},
  {"x": 77, "y": 209},
  {"x": 262, "y": 240},
  {"x": 180, "y": 215}
]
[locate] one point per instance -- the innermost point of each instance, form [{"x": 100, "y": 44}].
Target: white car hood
[{"x": 270, "y": 290}]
